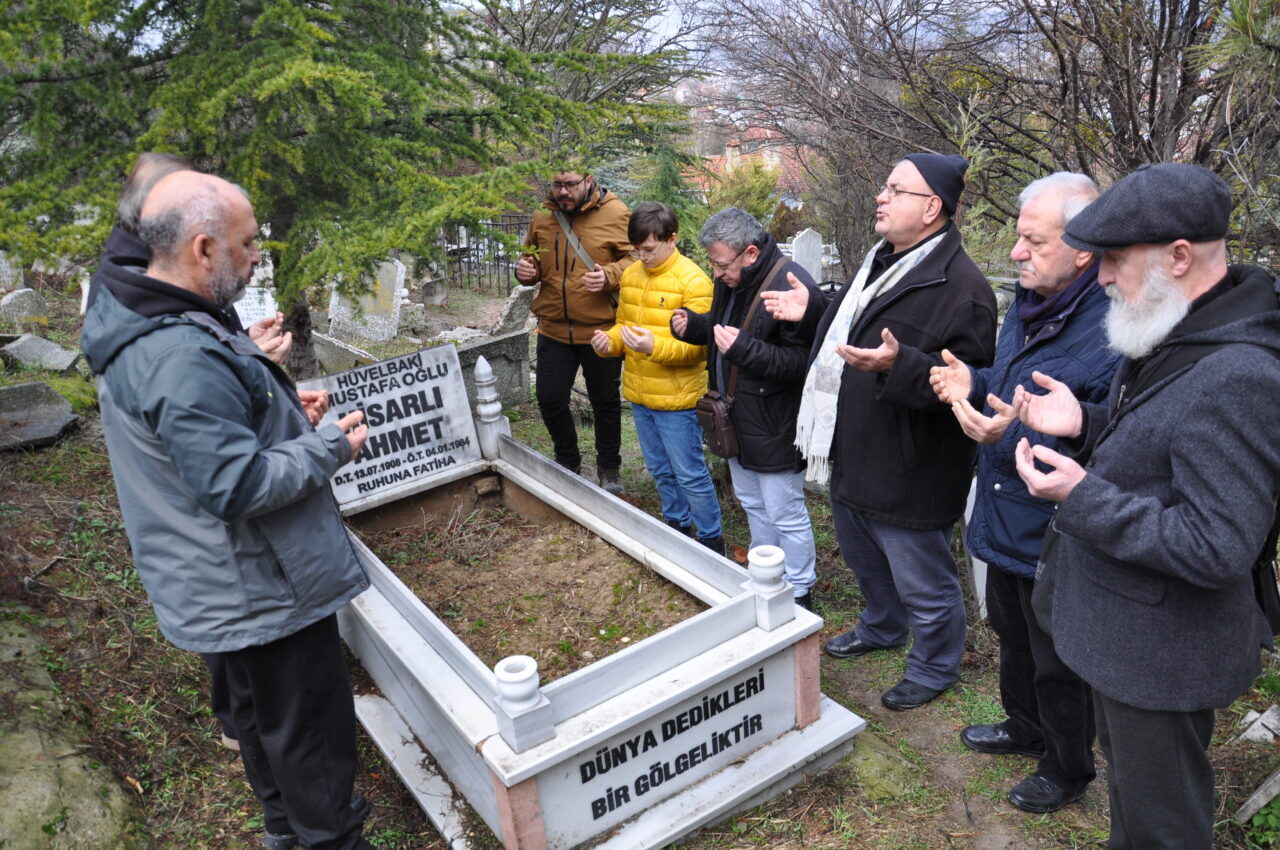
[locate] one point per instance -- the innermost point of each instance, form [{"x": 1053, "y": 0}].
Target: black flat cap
[
  {"x": 944, "y": 174},
  {"x": 1156, "y": 204}
]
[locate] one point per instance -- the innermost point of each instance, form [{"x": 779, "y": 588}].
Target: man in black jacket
[
  {"x": 898, "y": 462},
  {"x": 770, "y": 358},
  {"x": 1166, "y": 494}
]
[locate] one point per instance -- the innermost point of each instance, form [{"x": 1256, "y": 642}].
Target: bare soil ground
[
  {"x": 64, "y": 555},
  {"x": 507, "y": 585}
]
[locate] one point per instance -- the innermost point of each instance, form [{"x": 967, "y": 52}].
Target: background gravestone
[
  {"x": 806, "y": 250},
  {"x": 24, "y": 305},
  {"x": 40, "y": 353},
  {"x": 516, "y": 312},
  {"x": 375, "y": 316},
  {"x": 256, "y": 304},
  {"x": 32, "y": 415}
]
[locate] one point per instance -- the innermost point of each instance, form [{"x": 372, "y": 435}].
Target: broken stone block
[
  {"x": 516, "y": 311},
  {"x": 32, "y": 415},
  {"x": 337, "y": 356},
  {"x": 39, "y": 353},
  {"x": 413, "y": 318},
  {"x": 1261, "y": 727},
  {"x": 24, "y": 305}
]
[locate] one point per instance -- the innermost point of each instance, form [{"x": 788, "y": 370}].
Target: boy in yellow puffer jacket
[{"x": 663, "y": 378}]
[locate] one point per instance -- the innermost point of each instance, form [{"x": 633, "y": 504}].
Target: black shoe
[
  {"x": 806, "y": 601},
  {"x": 908, "y": 694},
  {"x": 686, "y": 530},
  {"x": 994, "y": 738},
  {"x": 848, "y": 645},
  {"x": 289, "y": 840},
  {"x": 1041, "y": 795},
  {"x": 610, "y": 481},
  {"x": 280, "y": 840},
  {"x": 715, "y": 544}
]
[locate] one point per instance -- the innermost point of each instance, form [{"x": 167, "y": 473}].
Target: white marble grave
[{"x": 374, "y": 316}]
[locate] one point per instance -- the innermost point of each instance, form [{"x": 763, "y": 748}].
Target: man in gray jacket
[
  {"x": 1166, "y": 495},
  {"x": 223, "y": 485}
]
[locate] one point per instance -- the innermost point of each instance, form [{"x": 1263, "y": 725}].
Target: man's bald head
[
  {"x": 201, "y": 233},
  {"x": 148, "y": 169}
]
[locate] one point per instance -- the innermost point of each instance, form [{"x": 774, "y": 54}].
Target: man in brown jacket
[{"x": 576, "y": 299}]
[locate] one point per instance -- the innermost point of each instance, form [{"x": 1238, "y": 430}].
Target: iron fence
[{"x": 478, "y": 259}]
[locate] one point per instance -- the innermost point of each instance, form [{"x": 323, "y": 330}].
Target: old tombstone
[
  {"x": 337, "y": 356},
  {"x": 418, "y": 416},
  {"x": 10, "y": 273},
  {"x": 32, "y": 415},
  {"x": 256, "y": 304},
  {"x": 516, "y": 312},
  {"x": 374, "y": 316},
  {"x": 24, "y": 305},
  {"x": 508, "y": 357},
  {"x": 37, "y": 352},
  {"x": 806, "y": 250},
  {"x": 435, "y": 291}
]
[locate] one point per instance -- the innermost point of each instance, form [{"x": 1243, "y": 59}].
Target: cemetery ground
[{"x": 138, "y": 708}]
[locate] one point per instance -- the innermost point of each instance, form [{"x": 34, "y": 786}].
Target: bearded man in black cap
[
  {"x": 1166, "y": 495},
  {"x": 899, "y": 465}
]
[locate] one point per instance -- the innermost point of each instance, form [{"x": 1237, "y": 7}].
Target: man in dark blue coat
[
  {"x": 1166, "y": 495},
  {"x": 1055, "y": 325},
  {"x": 770, "y": 357}
]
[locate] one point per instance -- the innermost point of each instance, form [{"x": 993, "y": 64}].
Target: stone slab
[
  {"x": 516, "y": 311},
  {"x": 806, "y": 250},
  {"x": 1263, "y": 727},
  {"x": 32, "y": 415},
  {"x": 55, "y": 794},
  {"x": 508, "y": 355},
  {"x": 40, "y": 353},
  {"x": 337, "y": 356},
  {"x": 374, "y": 316},
  {"x": 24, "y": 305}
]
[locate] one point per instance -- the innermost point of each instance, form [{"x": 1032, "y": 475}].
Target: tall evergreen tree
[{"x": 357, "y": 126}]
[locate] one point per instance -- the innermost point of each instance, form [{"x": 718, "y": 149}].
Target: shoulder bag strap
[
  {"x": 732, "y": 382},
  {"x": 576, "y": 245}
]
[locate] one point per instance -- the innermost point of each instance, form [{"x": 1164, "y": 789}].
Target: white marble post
[
  {"x": 490, "y": 423},
  {"x": 775, "y": 599}
]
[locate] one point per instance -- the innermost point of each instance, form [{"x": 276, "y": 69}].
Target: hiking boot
[
  {"x": 686, "y": 530},
  {"x": 805, "y": 601},
  {"x": 610, "y": 481},
  {"x": 715, "y": 544},
  {"x": 279, "y": 840}
]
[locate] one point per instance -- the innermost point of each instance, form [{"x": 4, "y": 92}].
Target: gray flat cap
[{"x": 1156, "y": 204}]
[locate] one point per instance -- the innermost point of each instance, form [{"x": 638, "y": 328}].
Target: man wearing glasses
[
  {"x": 898, "y": 463},
  {"x": 580, "y": 249}
]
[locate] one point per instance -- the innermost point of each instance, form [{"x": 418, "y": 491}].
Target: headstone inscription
[
  {"x": 418, "y": 415},
  {"x": 256, "y": 304}
]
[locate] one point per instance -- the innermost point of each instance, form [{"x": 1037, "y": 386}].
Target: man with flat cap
[
  {"x": 1166, "y": 494},
  {"x": 898, "y": 462}
]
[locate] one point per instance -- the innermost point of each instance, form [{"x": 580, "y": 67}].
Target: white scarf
[{"x": 816, "y": 424}]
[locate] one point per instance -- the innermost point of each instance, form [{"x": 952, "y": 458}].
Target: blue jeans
[
  {"x": 910, "y": 583},
  {"x": 672, "y": 444},
  {"x": 777, "y": 516}
]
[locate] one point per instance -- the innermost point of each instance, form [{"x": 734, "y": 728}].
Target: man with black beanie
[{"x": 899, "y": 465}]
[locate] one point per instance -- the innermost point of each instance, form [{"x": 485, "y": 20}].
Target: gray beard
[
  {"x": 225, "y": 288},
  {"x": 1135, "y": 328}
]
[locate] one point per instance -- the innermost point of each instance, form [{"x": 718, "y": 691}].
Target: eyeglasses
[
  {"x": 894, "y": 191},
  {"x": 557, "y": 186},
  {"x": 643, "y": 254},
  {"x": 724, "y": 267}
]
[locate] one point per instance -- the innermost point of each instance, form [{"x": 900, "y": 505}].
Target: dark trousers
[
  {"x": 558, "y": 365},
  {"x": 1045, "y": 700},
  {"x": 292, "y": 707},
  {"x": 909, "y": 582},
  {"x": 1159, "y": 777},
  {"x": 219, "y": 692}
]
